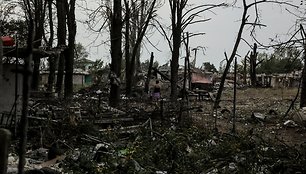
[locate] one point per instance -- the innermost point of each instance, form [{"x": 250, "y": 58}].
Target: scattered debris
[
  {"x": 290, "y": 123},
  {"x": 259, "y": 116},
  {"x": 141, "y": 136}
]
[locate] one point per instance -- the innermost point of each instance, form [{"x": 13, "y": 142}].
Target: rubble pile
[{"x": 141, "y": 136}]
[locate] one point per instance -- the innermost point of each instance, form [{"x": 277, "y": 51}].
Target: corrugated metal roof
[{"x": 199, "y": 78}]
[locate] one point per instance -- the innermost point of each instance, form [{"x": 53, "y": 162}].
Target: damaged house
[
  {"x": 280, "y": 80},
  {"x": 201, "y": 80}
]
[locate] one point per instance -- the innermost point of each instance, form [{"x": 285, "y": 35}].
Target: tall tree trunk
[
  {"x": 186, "y": 42},
  {"x": 35, "y": 77},
  {"x": 175, "y": 61},
  {"x": 132, "y": 39},
  {"x": 61, "y": 35},
  {"x": 52, "y": 69},
  {"x": 39, "y": 6},
  {"x": 149, "y": 74},
  {"x": 137, "y": 37},
  {"x": 303, "y": 89},
  {"x": 230, "y": 60},
  {"x": 127, "y": 48},
  {"x": 176, "y": 8},
  {"x": 70, "y": 53},
  {"x": 25, "y": 90},
  {"x": 303, "y": 85},
  {"x": 52, "y": 59},
  {"x": 60, "y": 73},
  {"x": 245, "y": 70},
  {"x": 116, "y": 53},
  {"x": 142, "y": 21},
  {"x": 253, "y": 58}
]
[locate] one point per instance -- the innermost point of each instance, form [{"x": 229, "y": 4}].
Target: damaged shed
[{"x": 201, "y": 80}]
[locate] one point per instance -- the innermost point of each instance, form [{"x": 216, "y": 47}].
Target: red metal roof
[
  {"x": 199, "y": 78},
  {"x": 8, "y": 41}
]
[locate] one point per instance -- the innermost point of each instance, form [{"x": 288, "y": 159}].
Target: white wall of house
[{"x": 78, "y": 79}]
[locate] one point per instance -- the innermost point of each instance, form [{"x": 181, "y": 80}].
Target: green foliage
[
  {"x": 80, "y": 57},
  {"x": 283, "y": 60},
  {"x": 98, "y": 70},
  {"x": 207, "y": 66},
  {"x": 80, "y": 52}
]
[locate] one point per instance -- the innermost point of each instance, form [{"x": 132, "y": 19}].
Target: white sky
[{"x": 221, "y": 32}]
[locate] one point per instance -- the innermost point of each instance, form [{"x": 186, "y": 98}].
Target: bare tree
[
  {"x": 26, "y": 87},
  {"x": 244, "y": 22},
  {"x": 180, "y": 19},
  {"x": 70, "y": 51},
  {"x": 61, "y": 39},
  {"x": 127, "y": 46},
  {"x": 116, "y": 52},
  {"x": 39, "y": 21},
  {"x": 52, "y": 59},
  {"x": 176, "y": 8},
  {"x": 253, "y": 65},
  {"x": 137, "y": 36}
]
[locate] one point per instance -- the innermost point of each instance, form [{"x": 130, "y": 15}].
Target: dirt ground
[
  {"x": 157, "y": 143},
  {"x": 270, "y": 103}
]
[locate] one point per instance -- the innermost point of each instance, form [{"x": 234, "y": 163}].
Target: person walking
[{"x": 156, "y": 91}]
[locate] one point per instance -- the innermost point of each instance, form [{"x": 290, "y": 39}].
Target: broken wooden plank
[{"x": 113, "y": 120}]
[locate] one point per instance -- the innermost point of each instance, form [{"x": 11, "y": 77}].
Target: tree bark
[
  {"x": 127, "y": 48},
  {"x": 230, "y": 60},
  {"x": 253, "y": 58},
  {"x": 245, "y": 70},
  {"x": 39, "y": 30},
  {"x": 60, "y": 73},
  {"x": 149, "y": 74},
  {"x": 303, "y": 88},
  {"x": 26, "y": 91},
  {"x": 116, "y": 53},
  {"x": 52, "y": 59},
  {"x": 70, "y": 52},
  {"x": 136, "y": 46},
  {"x": 61, "y": 37},
  {"x": 176, "y": 8},
  {"x": 184, "y": 92},
  {"x": 52, "y": 69},
  {"x": 303, "y": 85},
  {"x": 175, "y": 61}
]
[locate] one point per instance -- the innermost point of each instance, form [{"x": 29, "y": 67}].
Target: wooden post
[{"x": 5, "y": 137}]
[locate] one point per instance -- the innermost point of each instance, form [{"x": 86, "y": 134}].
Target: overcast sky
[{"x": 221, "y": 32}]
